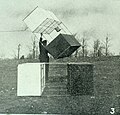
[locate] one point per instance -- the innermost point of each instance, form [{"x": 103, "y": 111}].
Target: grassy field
[{"x": 106, "y": 93}]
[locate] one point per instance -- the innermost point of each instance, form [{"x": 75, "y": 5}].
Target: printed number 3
[{"x": 112, "y": 111}]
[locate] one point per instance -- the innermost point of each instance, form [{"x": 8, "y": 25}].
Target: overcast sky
[{"x": 97, "y": 17}]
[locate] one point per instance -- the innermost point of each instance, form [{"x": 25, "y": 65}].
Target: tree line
[{"x": 99, "y": 48}]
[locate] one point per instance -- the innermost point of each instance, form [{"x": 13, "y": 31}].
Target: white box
[{"x": 31, "y": 79}]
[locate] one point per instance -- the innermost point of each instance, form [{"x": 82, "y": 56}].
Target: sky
[{"x": 98, "y": 18}]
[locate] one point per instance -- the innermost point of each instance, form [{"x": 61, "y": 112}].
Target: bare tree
[
  {"x": 33, "y": 48},
  {"x": 83, "y": 39},
  {"x": 83, "y": 46},
  {"x": 37, "y": 53},
  {"x": 107, "y": 45},
  {"x": 84, "y": 43},
  {"x": 19, "y": 45},
  {"x": 98, "y": 48}
]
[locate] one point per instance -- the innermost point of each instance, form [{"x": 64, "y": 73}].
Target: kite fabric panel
[{"x": 40, "y": 18}]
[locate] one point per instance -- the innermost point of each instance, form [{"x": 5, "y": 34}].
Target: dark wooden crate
[
  {"x": 80, "y": 79},
  {"x": 63, "y": 46}
]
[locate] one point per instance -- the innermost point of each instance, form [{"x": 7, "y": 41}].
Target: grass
[{"x": 106, "y": 85}]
